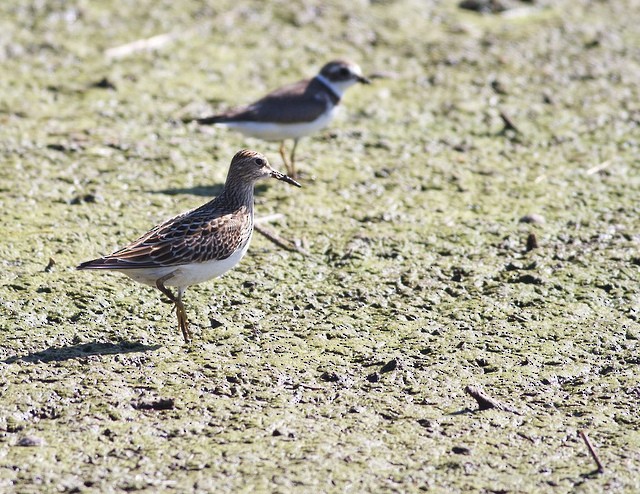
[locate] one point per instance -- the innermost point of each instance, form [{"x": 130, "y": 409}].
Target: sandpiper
[
  {"x": 198, "y": 245},
  {"x": 295, "y": 110}
]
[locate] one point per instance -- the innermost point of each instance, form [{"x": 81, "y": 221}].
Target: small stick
[
  {"x": 307, "y": 386},
  {"x": 49, "y": 266},
  {"x": 383, "y": 74},
  {"x": 598, "y": 168},
  {"x": 140, "y": 45},
  {"x": 592, "y": 450},
  {"x": 278, "y": 240},
  {"x": 485, "y": 401},
  {"x": 508, "y": 123},
  {"x": 532, "y": 242},
  {"x": 525, "y": 436},
  {"x": 268, "y": 218}
]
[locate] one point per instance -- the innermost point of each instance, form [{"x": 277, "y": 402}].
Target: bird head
[
  {"x": 251, "y": 166},
  {"x": 343, "y": 74}
]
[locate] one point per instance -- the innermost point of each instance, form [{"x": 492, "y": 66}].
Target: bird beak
[
  {"x": 363, "y": 80},
  {"x": 284, "y": 178}
]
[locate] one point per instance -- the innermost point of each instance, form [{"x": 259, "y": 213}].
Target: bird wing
[
  {"x": 302, "y": 101},
  {"x": 191, "y": 237}
]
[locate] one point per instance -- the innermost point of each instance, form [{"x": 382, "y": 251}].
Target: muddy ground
[{"x": 444, "y": 246}]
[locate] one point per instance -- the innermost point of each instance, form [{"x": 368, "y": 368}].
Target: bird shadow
[
  {"x": 204, "y": 190},
  {"x": 58, "y": 354}
]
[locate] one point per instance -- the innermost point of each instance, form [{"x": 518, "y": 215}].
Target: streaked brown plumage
[
  {"x": 214, "y": 231},
  {"x": 200, "y": 244}
]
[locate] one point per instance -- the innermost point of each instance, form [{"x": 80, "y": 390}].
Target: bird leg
[
  {"x": 285, "y": 160},
  {"x": 291, "y": 170},
  {"x": 181, "y": 313},
  {"x": 182, "y": 317}
]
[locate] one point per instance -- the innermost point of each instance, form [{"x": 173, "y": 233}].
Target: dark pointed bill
[
  {"x": 363, "y": 80},
  {"x": 284, "y": 178}
]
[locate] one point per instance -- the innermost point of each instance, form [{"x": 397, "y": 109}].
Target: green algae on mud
[{"x": 410, "y": 213}]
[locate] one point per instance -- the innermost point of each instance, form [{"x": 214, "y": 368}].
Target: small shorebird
[
  {"x": 295, "y": 110},
  {"x": 198, "y": 245}
]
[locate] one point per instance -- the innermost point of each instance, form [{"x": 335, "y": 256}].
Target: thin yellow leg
[
  {"x": 181, "y": 313},
  {"x": 285, "y": 160},
  {"x": 291, "y": 169}
]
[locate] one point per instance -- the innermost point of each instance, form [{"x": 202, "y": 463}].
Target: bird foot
[{"x": 183, "y": 323}]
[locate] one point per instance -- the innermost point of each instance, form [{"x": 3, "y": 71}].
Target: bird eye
[
  {"x": 260, "y": 162},
  {"x": 344, "y": 71}
]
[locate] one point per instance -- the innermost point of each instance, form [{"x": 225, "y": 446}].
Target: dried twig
[
  {"x": 527, "y": 437},
  {"x": 279, "y": 241},
  {"x": 383, "y": 74},
  {"x": 592, "y": 450},
  {"x": 50, "y": 265},
  {"x": 147, "y": 44},
  {"x": 268, "y": 218},
  {"x": 485, "y": 401},
  {"x": 598, "y": 168},
  {"x": 508, "y": 123},
  {"x": 532, "y": 242},
  {"x": 307, "y": 386}
]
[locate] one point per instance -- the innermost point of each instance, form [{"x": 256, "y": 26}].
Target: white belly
[
  {"x": 280, "y": 132},
  {"x": 188, "y": 274}
]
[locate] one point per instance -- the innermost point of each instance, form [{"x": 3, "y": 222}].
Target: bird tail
[
  {"x": 94, "y": 264},
  {"x": 214, "y": 119}
]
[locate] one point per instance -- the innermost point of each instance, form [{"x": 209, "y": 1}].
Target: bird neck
[
  {"x": 238, "y": 193},
  {"x": 334, "y": 93}
]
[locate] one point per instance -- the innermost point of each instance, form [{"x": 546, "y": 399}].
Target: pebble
[
  {"x": 533, "y": 218},
  {"x": 29, "y": 441}
]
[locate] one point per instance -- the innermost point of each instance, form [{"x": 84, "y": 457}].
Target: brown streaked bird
[
  {"x": 198, "y": 245},
  {"x": 295, "y": 110}
]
